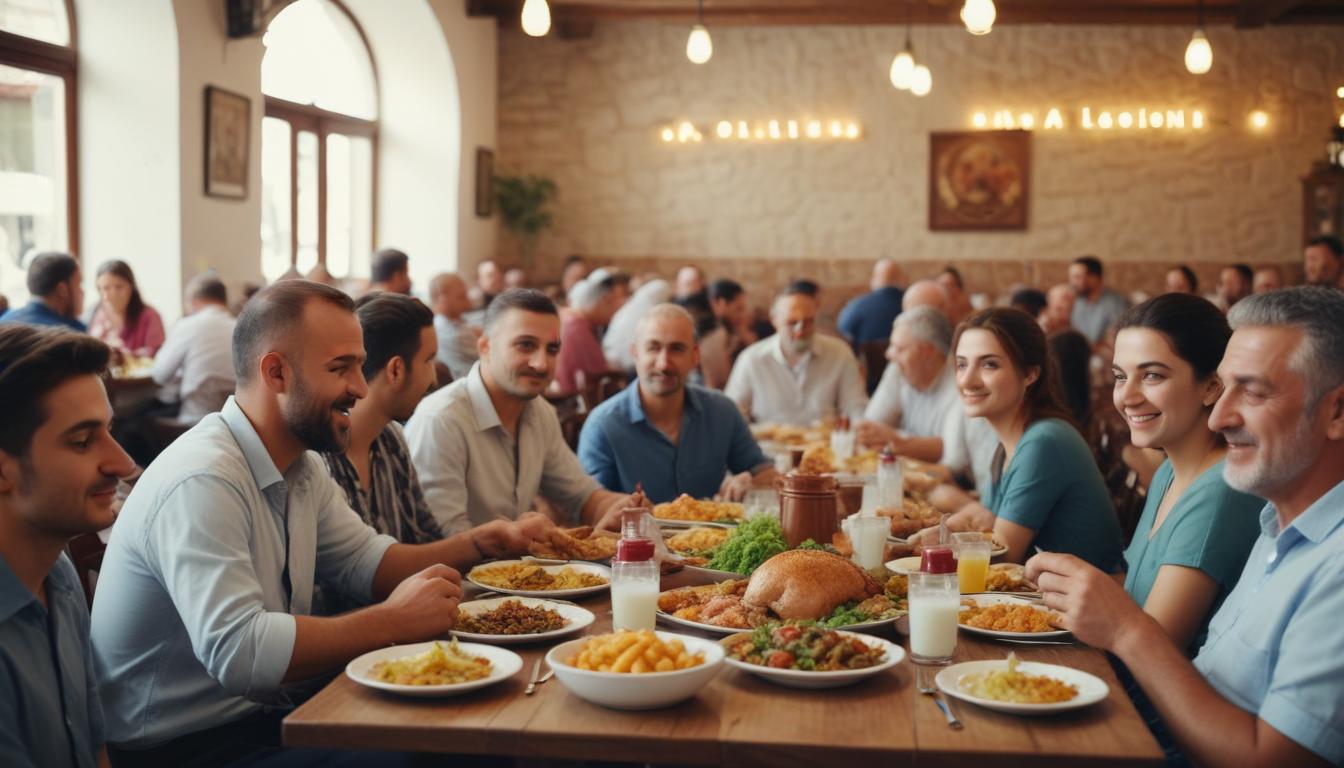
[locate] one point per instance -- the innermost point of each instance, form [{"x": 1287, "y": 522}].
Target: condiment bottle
[
  {"x": 634, "y": 576},
  {"x": 890, "y": 480}
]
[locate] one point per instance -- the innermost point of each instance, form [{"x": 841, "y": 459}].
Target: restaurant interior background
[{"x": 609, "y": 107}]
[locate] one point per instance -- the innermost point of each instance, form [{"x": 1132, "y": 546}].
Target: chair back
[
  {"x": 86, "y": 552},
  {"x": 570, "y": 426},
  {"x": 874, "y": 357}
]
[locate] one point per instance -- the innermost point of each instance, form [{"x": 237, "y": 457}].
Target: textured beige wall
[{"x": 587, "y": 114}]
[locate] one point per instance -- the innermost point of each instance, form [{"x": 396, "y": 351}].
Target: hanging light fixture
[
  {"x": 921, "y": 81},
  {"x": 699, "y": 48},
  {"x": 903, "y": 66},
  {"x": 536, "y": 18},
  {"x": 978, "y": 16},
  {"x": 1199, "y": 54}
]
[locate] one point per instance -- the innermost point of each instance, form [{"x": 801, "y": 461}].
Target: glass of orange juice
[{"x": 972, "y": 550}]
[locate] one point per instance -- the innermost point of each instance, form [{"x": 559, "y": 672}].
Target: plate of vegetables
[{"x": 808, "y": 655}]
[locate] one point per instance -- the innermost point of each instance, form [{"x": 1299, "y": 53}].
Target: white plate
[
  {"x": 666, "y": 522},
  {"x": 710, "y": 573},
  {"x": 1091, "y": 689},
  {"x": 650, "y": 690},
  {"x": 579, "y": 619},
  {"x": 904, "y": 565},
  {"x": 799, "y": 678},
  {"x": 578, "y": 565},
  {"x": 503, "y": 665},
  {"x": 983, "y": 599},
  {"x": 861, "y": 627}
]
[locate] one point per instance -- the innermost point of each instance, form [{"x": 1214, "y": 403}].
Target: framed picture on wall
[
  {"x": 485, "y": 182},
  {"x": 228, "y": 125},
  {"x": 979, "y": 180}
]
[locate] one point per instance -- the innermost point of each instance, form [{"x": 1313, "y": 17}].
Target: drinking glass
[
  {"x": 762, "y": 502},
  {"x": 869, "y": 537},
  {"x": 934, "y": 604},
  {"x": 972, "y": 550}
]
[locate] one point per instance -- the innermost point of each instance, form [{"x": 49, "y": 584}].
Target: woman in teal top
[
  {"x": 1047, "y": 492},
  {"x": 1195, "y": 533}
]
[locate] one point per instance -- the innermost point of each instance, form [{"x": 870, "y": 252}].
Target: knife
[{"x": 532, "y": 684}]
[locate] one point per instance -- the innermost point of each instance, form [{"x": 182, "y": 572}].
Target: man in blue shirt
[
  {"x": 54, "y": 281},
  {"x": 869, "y": 317},
  {"x": 58, "y": 477},
  {"x": 670, "y": 436},
  {"x": 1267, "y": 688}
]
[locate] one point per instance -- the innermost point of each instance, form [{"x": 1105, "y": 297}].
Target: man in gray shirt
[
  {"x": 457, "y": 338},
  {"x": 204, "y": 600},
  {"x": 1097, "y": 306}
]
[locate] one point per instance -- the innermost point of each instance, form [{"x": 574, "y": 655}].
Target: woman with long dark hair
[
  {"x": 1195, "y": 532},
  {"x": 122, "y": 319},
  {"x": 1047, "y": 493}
]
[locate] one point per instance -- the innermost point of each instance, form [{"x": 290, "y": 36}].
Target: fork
[{"x": 952, "y": 720}]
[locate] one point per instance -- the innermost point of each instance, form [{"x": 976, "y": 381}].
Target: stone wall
[{"x": 587, "y": 113}]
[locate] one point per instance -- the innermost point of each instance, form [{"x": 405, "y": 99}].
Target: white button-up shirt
[
  {"x": 195, "y": 364},
  {"x": 193, "y": 626},
  {"x": 768, "y": 390},
  {"x": 473, "y": 471}
]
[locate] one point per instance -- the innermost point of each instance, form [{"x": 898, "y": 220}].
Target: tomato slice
[
  {"x": 780, "y": 660},
  {"x": 788, "y": 633}
]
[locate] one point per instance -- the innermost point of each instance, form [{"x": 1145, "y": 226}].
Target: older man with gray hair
[
  {"x": 1267, "y": 687},
  {"x": 916, "y": 407},
  {"x": 592, "y": 304},
  {"x": 670, "y": 436}
]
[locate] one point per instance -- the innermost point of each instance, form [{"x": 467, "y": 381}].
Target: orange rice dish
[{"x": 1008, "y": 618}]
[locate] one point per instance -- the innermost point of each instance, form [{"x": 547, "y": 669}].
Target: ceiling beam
[{"x": 1258, "y": 13}]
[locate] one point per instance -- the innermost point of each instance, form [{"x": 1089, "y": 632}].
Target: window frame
[
  {"x": 58, "y": 61},
  {"x": 322, "y": 122}
]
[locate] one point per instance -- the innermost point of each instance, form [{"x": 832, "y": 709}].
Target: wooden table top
[{"x": 737, "y": 719}]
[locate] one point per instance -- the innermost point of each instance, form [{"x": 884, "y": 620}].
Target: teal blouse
[
  {"x": 1212, "y": 528},
  {"x": 1052, "y": 486}
]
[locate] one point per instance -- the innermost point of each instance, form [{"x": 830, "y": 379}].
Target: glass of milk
[{"x": 935, "y": 600}]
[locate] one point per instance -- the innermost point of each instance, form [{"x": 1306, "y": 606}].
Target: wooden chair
[
  {"x": 874, "y": 357},
  {"x": 571, "y": 426},
  {"x": 600, "y": 385},
  {"x": 443, "y": 375},
  {"x": 86, "y": 552},
  {"x": 565, "y": 405}
]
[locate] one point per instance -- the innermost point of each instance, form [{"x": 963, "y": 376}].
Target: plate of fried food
[
  {"x": 582, "y": 543},
  {"x": 516, "y": 620},
  {"x": 1022, "y": 687},
  {"x": 786, "y": 434},
  {"x": 687, "y": 512},
  {"x": 696, "y": 546},
  {"x": 798, "y": 585},
  {"x": 636, "y": 670},
  {"x": 1007, "y": 616},
  {"x": 435, "y": 668},
  {"x": 522, "y": 578},
  {"x": 807, "y": 655}
]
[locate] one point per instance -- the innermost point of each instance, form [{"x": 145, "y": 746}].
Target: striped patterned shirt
[{"x": 394, "y": 503}]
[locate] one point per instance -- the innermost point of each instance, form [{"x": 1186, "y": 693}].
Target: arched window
[
  {"x": 318, "y": 142},
  {"x": 38, "y": 193}
]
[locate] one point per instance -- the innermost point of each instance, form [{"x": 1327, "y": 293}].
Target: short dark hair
[
  {"x": 388, "y": 263},
  {"x": 276, "y": 310},
  {"x": 1190, "y": 276},
  {"x": 391, "y": 323},
  {"x": 1245, "y": 271},
  {"x": 48, "y": 270},
  {"x": 724, "y": 290},
  {"x": 1092, "y": 263},
  {"x": 208, "y": 288},
  {"x": 1195, "y": 328},
  {"x": 802, "y": 287},
  {"x": 956, "y": 275},
  {"x": 1029, "y": 300},
  {"x": 33, "y": 361},
  {"x": 573, "y": 258},
  {"x": 1331, "y": 242},
  {"x": 523, "y": 299}
]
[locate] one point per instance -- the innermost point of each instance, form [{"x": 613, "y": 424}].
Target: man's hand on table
[
  {"x": 735, "y": 487},
  {"x": 1095, "y": 607},
  {"x": 425, "y": 604},
  {"x": 504, "y": 538},
  {"x": 611, "y": 515},
  {"x": 874, "y": 435}
]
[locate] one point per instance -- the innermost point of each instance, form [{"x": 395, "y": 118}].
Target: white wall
[{"x": 128, "y": 145}]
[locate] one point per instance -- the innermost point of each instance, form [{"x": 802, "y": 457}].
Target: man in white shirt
[
  {"x": 448, "y": 297},
  {"x": 796, "y": 376},
  {"x": 487, "y": 445},
  {"x": 195, "y": 365}
]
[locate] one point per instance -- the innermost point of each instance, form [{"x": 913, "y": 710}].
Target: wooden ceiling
[{"x": 1247, "y": 14}]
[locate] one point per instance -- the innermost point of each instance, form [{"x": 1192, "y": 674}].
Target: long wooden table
[{"x": 738, "y": 719}]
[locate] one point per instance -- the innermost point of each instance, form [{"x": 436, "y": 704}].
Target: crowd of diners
[{"x": 329, "y": 493}]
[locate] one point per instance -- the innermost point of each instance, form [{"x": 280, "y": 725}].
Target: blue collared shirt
[
  {"x": 49, "y": 710},
  {"x": 619, "y": 446},
  {"x": 1276, "y": 647},
  {"x": 193, "y": 626},
  {"x": 36, "y": 312}
]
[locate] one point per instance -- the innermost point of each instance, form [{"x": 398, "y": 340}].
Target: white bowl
[
  {"x": 801, "y": 678},
  {"x": 650, "y": 690},
  {"x": 503, "y": 665}
]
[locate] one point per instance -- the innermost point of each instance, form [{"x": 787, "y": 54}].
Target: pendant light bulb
[
  {"x": 921, "y": 81},
  {"x": 536, "y": 18},
  {"x": 978, "y": 16},
  {"x": 1198, "y": 54},
  {"x": 902, "y": 70},
  {"x": 699, "y": 48}
]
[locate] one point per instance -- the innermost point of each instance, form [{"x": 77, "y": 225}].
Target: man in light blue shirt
[
  {"x": 55, "y": 283},
  {"x": 1096, "y": 306},
  {"x": 1267, "y": 688},
  {"x": 204, "y": 598},
  {"x": 670, "y": 436},
  {"x": 58, "y": 477}
]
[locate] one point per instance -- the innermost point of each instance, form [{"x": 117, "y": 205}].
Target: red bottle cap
[
  {"x": 637, "y": 550},
  {"x": 937, "y": 560}
]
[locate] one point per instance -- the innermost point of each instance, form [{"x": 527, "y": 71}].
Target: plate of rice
[
  {"x": 523, "y": 578},
  {"x": 1022, "y": 687},
  {"x": 436, "y": 668}
]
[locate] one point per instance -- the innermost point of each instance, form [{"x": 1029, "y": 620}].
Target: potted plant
[{"x": 522, "y": 202}]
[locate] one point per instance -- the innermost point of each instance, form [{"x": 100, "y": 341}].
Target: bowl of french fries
[{"x": 636, "y": 670}]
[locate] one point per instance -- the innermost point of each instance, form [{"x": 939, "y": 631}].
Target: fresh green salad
[{"x": 752, "y": 543}]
